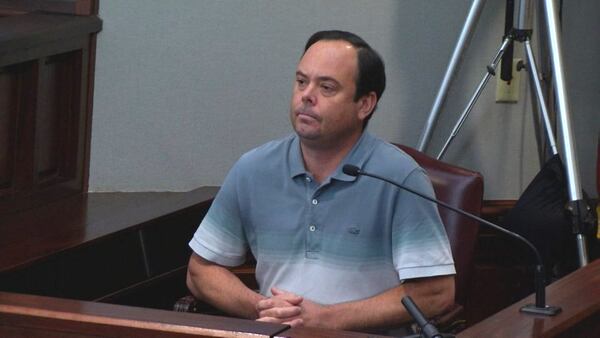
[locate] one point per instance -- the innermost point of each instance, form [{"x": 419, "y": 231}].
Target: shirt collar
[
  {"x": 295, "y": 161},
  {"x": 357, "y": 156}
]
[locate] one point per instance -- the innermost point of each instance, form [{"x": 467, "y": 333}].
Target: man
[{"x": 332, "y": 250}]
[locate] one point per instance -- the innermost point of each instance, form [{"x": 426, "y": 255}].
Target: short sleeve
[
  {"x": 220, "y": 237},
  {"x": 419, "y": 241}
]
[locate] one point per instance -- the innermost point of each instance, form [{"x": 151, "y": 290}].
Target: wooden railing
[{"x": 97, "y": 246}]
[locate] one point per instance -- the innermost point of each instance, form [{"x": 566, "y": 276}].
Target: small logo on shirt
[{"x": 353, "y": 230}]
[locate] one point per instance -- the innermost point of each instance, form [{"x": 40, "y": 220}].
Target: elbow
[
  {"x": 192, "y": 277},
  {"x": 447, "y": 302},
  {"x": 435, "y": 295},
  {"x": 446, "y": 296},
  {"x": 440, "y": 297},
  {"x": 189, "y": 281}
]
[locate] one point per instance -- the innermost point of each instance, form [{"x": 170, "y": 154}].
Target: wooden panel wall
[
  {"x": 46, "y": 76},
  {"x": 57, "y": 138}
]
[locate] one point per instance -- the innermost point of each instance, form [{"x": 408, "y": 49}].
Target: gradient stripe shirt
[{"x": 344, "y": 239}]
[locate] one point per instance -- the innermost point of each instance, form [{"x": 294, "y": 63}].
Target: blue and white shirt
[{"x": 345, "y": 239}]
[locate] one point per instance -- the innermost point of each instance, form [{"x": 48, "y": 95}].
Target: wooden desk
[
  {"x": 110, "y": 247},
  {"x": 37, "y": 316},
  {"x": 31, "y": 235},
  {"x": 61, "y": 264},
  {"x": 578, "y": 294}
]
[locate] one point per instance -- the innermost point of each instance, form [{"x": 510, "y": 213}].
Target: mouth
[{"x": 306, "y": 112}]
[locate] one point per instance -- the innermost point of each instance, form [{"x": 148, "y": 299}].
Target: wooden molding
[{"x": 75, "y": 7}]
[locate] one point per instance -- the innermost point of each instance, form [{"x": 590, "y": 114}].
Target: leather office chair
[
  {"x": 458, "y": 187},
  {"x": 463, "y": 189}
]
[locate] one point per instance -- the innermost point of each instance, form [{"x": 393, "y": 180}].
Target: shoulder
[
  {"x": 272, "y": 152},
  {"x": 388, "y": 160}
]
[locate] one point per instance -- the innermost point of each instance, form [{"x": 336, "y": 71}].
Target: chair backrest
[{"x": 463, "y": 189}]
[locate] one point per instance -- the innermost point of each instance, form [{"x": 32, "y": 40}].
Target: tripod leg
[
  {"x": 465, "y": 36},
  {"x": 572, "y": 171},
  {"x": 535, "y": 81},
  {"x": 491, "y": 71}
]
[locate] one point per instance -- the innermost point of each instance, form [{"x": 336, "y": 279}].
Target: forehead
[{"x": 333, "y": 58}]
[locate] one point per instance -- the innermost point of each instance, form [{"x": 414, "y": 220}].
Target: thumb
[
  {"x": 276, "y": 291},
  {"x": 288, "y": 296}
]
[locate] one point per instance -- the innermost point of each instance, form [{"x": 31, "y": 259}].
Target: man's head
[
  {"x": 371, "y": 69},
  {"x": 339, "y": 80}
]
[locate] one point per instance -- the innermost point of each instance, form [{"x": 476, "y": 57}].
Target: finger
[
  {"x": 265, "y": 304},
  {"x": 281, "y": 312},
  {"x": 276, "y": 302},
  {"x": 289, "y": 297},
  {"x": 276, "y": 291},
  {"x": 269, "y": 320}
]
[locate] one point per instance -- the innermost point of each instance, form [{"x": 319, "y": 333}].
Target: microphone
[
  {"x": 427, "y": 329},
  {"x": 540, "y": 306}
]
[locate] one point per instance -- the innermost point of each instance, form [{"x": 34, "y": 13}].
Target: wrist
[
  {"x": 256, "y": 297},
  {"x": 328, "y": 317}
]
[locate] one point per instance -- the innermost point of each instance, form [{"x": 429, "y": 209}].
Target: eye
[
  {"x": 300, "y": 82},
  {"x": 328, "y": 89}
]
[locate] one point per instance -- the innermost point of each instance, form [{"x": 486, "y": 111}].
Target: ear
[{"x": 366, "y": 104}]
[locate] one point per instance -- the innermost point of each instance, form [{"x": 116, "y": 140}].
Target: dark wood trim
[
  {"x": 47, "y": 314},
  {"x": 492, "y": 271},
  {"x": 34, "y": 35},
  {"x": 578, "y": 294},
  {"x": 495, "y": 208},
  {"x": 53, "y": 55},
  {"x": 123, "y": 248},
  {"x": 89, "y": 100},
  {"x": 54, "y": 317},
  {"x": 28, "y": 236},
  {"x": 75, "y": 7},
  {"x": 311, "y": 332},
  {"x": 10, "y": 12}
]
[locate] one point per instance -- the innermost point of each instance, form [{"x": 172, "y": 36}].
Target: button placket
[{"x": 313, "y": 232}]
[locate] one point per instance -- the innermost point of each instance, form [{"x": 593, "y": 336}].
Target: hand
[
  {"x": 283, "y": 307},
  {"x": 288, "y": 308}
]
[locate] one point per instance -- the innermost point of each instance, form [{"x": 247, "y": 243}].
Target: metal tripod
[{"x": 521, "y": 32}]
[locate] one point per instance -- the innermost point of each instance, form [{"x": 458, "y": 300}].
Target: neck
[{"x": 321, "y": 160}]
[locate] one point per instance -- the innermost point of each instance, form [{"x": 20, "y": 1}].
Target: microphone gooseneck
[
  {"x": 427, "y": 329},
  {"x": 540, "y": 306}
]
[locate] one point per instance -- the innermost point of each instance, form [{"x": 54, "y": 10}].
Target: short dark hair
[{"x": 371, "y": 70}]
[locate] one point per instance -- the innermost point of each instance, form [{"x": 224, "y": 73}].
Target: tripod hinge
[
  {"x": 583, "y": 217},
  {"x": 520, "y": 34}
]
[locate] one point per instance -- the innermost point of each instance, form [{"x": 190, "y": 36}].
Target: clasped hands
[{"x": 288, "y": 308}]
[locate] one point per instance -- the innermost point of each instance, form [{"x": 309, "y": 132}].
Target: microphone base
[{"x": 544, "y": 311}]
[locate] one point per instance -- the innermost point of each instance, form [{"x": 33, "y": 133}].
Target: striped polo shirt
[{"x": 343, "y": 239}]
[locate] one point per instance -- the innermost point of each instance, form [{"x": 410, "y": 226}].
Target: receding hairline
[{"x": 348, "y": 44}]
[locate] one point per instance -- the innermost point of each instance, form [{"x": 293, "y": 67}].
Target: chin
[{"x": 307, "y": 135}]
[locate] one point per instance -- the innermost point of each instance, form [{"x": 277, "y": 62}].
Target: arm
[
  {"x": 433, "y": 295},
  {"x": 219, "y": 287}
]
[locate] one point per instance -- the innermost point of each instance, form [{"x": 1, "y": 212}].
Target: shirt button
[
  {"x": 308, "y": 179},
  {"x": 312, "y": 228},
  {"x": 315, "y": 202}
]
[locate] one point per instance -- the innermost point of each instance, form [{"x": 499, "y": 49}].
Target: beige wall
[{"x": 183, "y": 88}]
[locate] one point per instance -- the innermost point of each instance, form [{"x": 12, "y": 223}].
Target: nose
[{"x": 308, "y": 95}]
